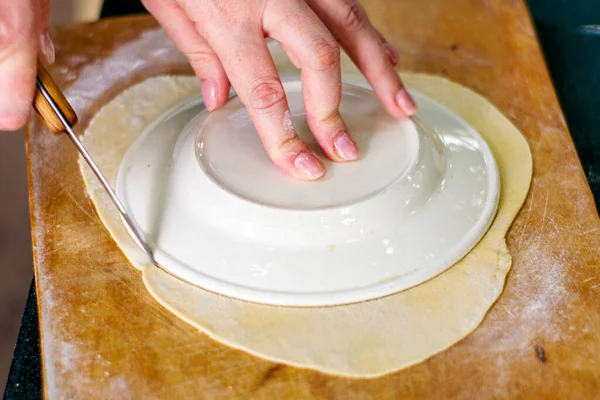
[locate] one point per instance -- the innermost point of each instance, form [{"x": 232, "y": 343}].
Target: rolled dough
[{"x": 362, "y": 340}]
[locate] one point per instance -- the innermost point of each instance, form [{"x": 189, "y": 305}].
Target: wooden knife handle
[{"x": 41, "y": 105}]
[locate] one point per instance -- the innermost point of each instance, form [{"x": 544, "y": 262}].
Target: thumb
[{"x": 19, "y": 41}]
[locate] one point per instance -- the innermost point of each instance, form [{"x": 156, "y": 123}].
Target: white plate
[{"x": 221, "y": 216}]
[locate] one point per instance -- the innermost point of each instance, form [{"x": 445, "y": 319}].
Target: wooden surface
[{"x": 103, "y": 336}]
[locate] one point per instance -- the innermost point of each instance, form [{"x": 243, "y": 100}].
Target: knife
[
  {"x": 58, "y": 115},
  {"x": 591, "y": 29}
]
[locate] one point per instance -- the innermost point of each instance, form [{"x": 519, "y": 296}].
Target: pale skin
[{"x": 224, "y": 41}]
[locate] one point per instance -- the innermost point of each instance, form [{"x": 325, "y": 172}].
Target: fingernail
[
  {"x": 308, "y": 164},
  {"x": 392, "y": 53},
  {"x": 47, "y": 47},
  {"x": 209, "y": 93},
  {"x": 406, "y": 102},
  {"x": 345, "y": 146}
]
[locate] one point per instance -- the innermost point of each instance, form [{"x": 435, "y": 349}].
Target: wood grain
[
  {"x": 43, "y": 107},
  {"x": 103, "y": 336}
]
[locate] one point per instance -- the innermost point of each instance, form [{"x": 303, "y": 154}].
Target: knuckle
[
  {"x": 323, "y": 54},
  {"x": 291, "y": 145},
  {"x": 385, "y": 69},
  {"x": 265, "y": 93},
  {"x": 388, "y": 68},
  {"x": 201, "y": 58},
  {"x": 327, "y": 117},
  {"x": 354, "y": 18}
]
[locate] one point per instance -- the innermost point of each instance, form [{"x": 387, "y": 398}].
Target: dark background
[{"x": 573, "y": 58}]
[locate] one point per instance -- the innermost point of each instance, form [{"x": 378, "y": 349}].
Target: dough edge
[{"x": 309, "y": 337}]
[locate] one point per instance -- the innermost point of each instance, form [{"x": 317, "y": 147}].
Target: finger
[
  {"x": 389, "y": 49},
  {"x": 46, "y": 45},
  {"x": 248, "y": 63},
  {"x": 204, "y": 61},
  {"x": 349, "y": 23},
  {"x": 319, "y": 56},
  {"x": 18, "y": 49}
]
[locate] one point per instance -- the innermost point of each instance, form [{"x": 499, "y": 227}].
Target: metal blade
[
  {"x": 592, "y": 29},
  {"x": 133, "y": 230}
]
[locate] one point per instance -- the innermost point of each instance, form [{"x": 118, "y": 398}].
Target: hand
[
  {"x": 23, "y": 34},
  {"x": 224, "y": 42}
]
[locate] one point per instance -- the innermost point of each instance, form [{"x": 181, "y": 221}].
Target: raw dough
[{"x": 362, "y": 340}]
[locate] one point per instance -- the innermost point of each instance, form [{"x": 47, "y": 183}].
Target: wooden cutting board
[{"x": 103, "y": 336}]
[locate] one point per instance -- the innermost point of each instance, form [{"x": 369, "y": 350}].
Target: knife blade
[
  {"x": 591, "y": 29},
  {"x": 58, "y": 115}
]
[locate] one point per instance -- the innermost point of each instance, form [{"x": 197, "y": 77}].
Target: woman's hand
[
  {"x": 23, "y": 36},
  {"x": 224, "y": 42}
]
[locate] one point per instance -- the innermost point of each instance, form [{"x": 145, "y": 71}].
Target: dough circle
[{"x": 361, "y": 340}]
